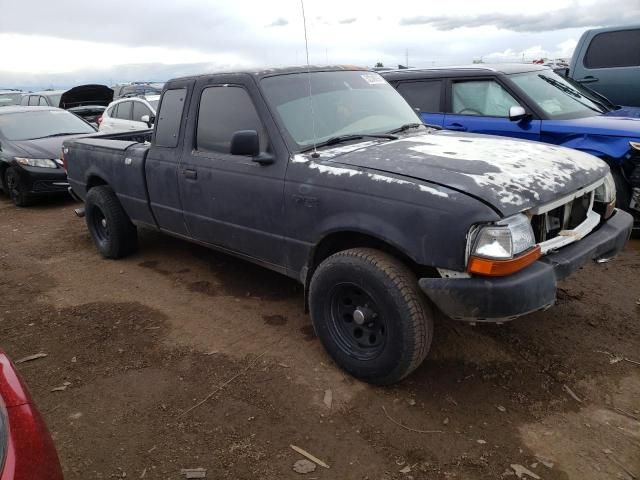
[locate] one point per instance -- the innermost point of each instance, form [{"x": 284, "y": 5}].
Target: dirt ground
[{"x": 141, "y": 341}]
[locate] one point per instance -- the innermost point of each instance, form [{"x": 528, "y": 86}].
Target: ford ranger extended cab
[{"x": 328, "y": 176}]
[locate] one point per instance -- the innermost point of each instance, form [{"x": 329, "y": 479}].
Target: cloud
[
  {"x": 347, "y": 21},
  {"x": 573, "y": 16},
  {"x": 279, "y": 22}
]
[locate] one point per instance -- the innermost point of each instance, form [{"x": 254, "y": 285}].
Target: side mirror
[
  {"x": 517, "y": 113},
  {"x": 245, "y": 142},
  {"x": 148, "y": 119}
]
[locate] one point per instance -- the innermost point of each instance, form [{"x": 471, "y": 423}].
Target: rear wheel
[
  {"x": 16, "y": 188},
  {"x": 370, "y": 315},
  {"x": 108, "y": 223}
]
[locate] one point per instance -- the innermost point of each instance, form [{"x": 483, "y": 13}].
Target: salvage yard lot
[{"x": 140, "y": 341}]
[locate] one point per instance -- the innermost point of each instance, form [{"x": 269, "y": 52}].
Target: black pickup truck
[{"x": 327, "y": 175}]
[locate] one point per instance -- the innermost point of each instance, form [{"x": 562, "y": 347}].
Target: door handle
[
  {"x": 191, "y": 174},
  {"x": 589, "y": 79},
  {"x": 458, "y": 127}
]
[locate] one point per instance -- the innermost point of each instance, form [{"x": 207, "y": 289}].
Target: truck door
[
  {"x": 609, "y": 63},
  {"x": 232, "y": 201},
  {"x": 482, "y": 106},
  {"x": 161, "y": 167}
]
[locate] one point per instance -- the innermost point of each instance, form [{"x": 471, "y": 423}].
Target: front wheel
[
  {"x": 108, "y": 223},
  {"x": 370, "y": 315},
  {"x": 16, "y": 188}
]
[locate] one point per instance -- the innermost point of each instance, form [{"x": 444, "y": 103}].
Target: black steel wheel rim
[
  {"x": 100, "y": 225},
  {"x": 356, "y": 324}
]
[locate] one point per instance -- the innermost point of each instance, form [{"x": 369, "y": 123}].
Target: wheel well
[
  {"x": 95, "y": 181},
  {"x": 337, "y": 242}
]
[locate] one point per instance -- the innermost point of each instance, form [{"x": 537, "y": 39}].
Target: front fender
[{"x": 615, "y": 149}]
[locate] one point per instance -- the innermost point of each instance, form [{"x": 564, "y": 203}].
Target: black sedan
[{"x": 30, "y": 150}]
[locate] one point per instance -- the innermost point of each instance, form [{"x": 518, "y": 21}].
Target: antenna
[{"x": 315, "y": 153}]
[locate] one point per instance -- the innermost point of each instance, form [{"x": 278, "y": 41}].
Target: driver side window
[{"x": 485, "y": 98}]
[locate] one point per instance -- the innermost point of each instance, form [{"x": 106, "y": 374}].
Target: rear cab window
[
  {"x": 169, "y": 118},
  {"x": 613, "y": 50}
]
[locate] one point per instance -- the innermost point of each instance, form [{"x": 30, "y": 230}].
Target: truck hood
[
  {"x": 602, "y": 125},
  {"x": 509, "y": 175}
]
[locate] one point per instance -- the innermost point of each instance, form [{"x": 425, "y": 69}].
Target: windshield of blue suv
[
  {"x": 558, "y": 98},
  {"x": 36, "y": 124},
  {"x": 342, "y": 102}
]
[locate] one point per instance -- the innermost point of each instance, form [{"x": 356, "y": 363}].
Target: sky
[{"x": 58, "y": 44}]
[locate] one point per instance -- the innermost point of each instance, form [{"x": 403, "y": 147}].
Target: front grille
[{"x": 548, "y": 225}]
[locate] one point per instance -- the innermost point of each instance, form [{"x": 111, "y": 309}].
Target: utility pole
[{"x": 406, "y": 58}]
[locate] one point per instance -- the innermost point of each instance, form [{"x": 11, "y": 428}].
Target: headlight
[
  {"x": 606, "y": 193},
  {"x": 36, "y": 162},
  {"x": 635, "y": 145},
  {"x": 503, "y": 248},
  {"x": 505, "y": 239}
]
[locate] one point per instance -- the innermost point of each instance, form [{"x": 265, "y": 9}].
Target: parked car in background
[
  {"x": 10, "y": 96},
  {"x": 27, "y": 451},
  {"x": 379, "y": 216},
  {"x": 86, "y": 101},
  {"x": 137, "y": 89},
  {"x": 608, "y": 107},
  {"x": 530, "y": 102},
  {"x": 608, "y": 60},
  {"x": 31, "y": 146},
  {"x": 130, "y": 113},
  {"x": 44, "y": 98}
]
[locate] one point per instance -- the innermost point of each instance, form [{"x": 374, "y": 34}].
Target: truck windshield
[
  {"x": 342, "y": 102},
  {"x": 41, "y": 124},
  {"x": 558, "y": 98}
]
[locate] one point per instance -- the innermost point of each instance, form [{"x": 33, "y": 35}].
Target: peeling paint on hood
[{"x": 511, "y": 175}]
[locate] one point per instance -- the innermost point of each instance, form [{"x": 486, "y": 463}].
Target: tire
[
  {"x": 623, "y": 190},
  {"x": 16, "y": 188},
  {"x": 109, "y": 225},
  {"x": 388, "y": 334}
]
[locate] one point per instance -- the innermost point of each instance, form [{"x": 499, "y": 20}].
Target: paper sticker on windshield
[{"x": 372, "y": 78}]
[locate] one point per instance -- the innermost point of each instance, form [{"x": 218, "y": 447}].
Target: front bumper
[
  {"x": 497, "y": 299},
  {"x": 40, "y": 181}
]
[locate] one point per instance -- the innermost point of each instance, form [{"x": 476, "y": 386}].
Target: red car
[{"x": 26, "y": 448}]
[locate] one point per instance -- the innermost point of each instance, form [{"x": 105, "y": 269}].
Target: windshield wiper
[
  {"x": 576, "y": 95},
  {"x": 406, "y": 126},
  {"x": 346, "y": 138},
  {"x": 57, "y": 135}
]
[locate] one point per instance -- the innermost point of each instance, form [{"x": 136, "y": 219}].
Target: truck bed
[{"x": 116, "y": 159}]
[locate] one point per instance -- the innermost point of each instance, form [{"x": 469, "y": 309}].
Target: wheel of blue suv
[
  {"x": 16, "y": 188},
  {"x": 109, "y": 225},
  {"x": 370, "y": 315}
]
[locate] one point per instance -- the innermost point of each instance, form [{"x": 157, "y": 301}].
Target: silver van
[{"x": 607, "y": 60}]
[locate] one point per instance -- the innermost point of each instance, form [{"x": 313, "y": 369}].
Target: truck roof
[
  {"x": 475, "y": 69},
  {"x": 267, "y": 72}
]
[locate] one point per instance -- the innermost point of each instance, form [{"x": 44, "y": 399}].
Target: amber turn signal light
[{"x": 501, "y": 268}]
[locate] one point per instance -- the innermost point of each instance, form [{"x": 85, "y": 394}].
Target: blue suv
[{"x": 530, "y": 102}]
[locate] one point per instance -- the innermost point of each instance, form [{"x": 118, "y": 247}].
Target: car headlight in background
[
  {"x": 605, "y": 197},
  {"x": 36, "y": 162},
  {"x": 502, "y": 248}
]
